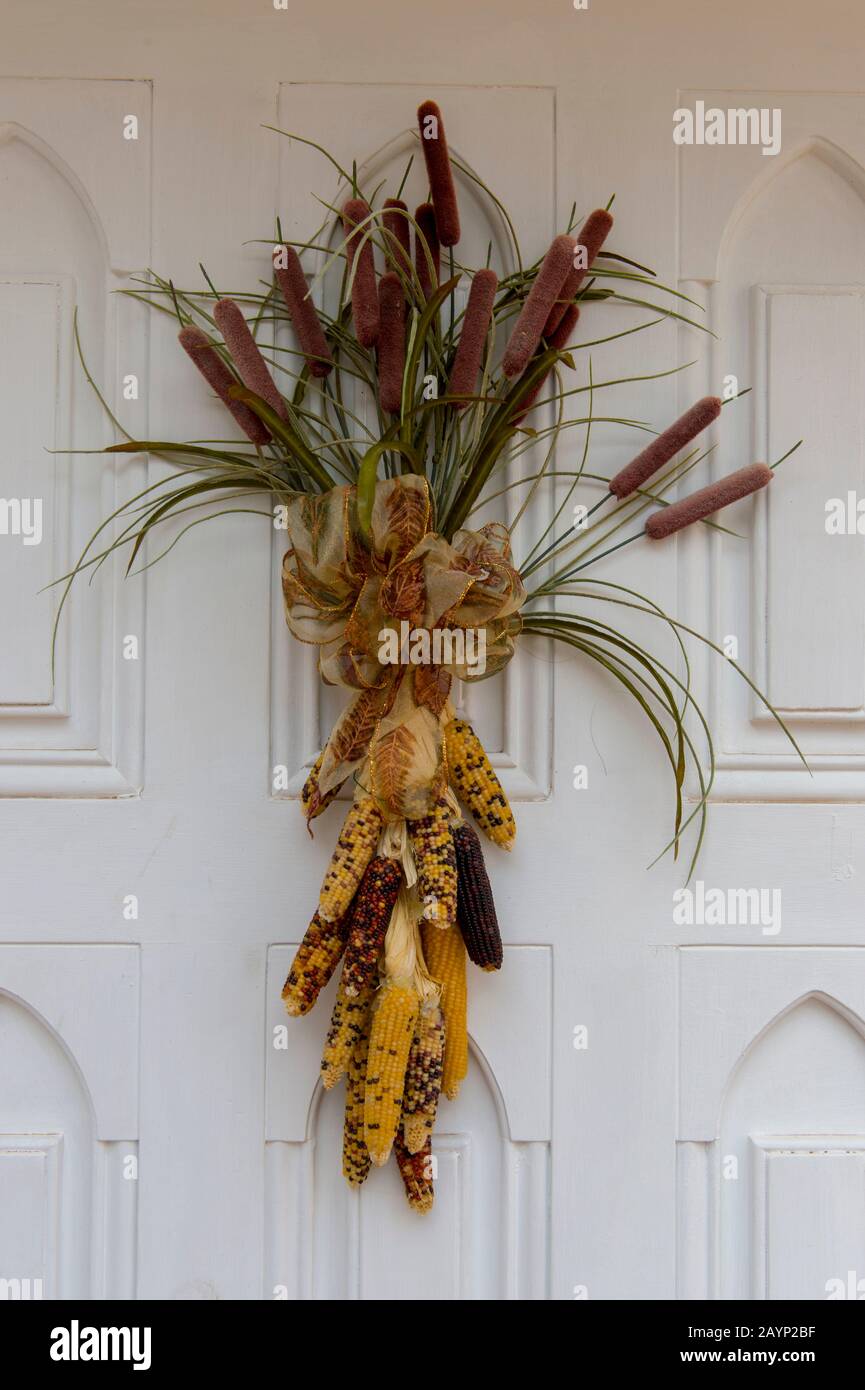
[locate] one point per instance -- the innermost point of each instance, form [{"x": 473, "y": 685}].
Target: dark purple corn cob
[{"x": 476, "y": 911}]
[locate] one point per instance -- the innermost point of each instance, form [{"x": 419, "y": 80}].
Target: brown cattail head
[
  {"x": 397, "y": 236},
  {"x": 307, "y": 325},
  {"x": 561, "y": 335},
  {"x": 439, "y": 172},
  {"x": 391, "y": 342},
  {"x": 364, "y": 291},
  {"x": 542, "y": 296},
  {"x": 590, "y": 239},
  {"x": 244, "y": 351},
  {"x": 219, "y": 378},
  {"x": 662, "y": 449},
  {"x": 708, "y": 500},
  {"x": 426, "y": 239},
  {"x": 473, "y": 336}
]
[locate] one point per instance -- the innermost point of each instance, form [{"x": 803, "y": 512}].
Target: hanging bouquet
[{"x": 402, "y": 591}]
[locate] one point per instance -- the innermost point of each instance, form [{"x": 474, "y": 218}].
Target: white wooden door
[{"x": 653, "y": 1108}]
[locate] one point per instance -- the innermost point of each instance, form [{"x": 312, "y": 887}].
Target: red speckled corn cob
[
  {"x": 370, "y": 914},
  {"x": 423, "y": 1077},
  {"x": 416, "y": 1170}
]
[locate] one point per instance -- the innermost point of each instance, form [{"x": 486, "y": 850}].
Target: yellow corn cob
[
  {"x": 445, "y": 955},
  {"x": 317, "y": 957},
  {"x": 347, "y": 1025},
  {"x": 433, "y": 847},
  {"x": 312, "y": 803},
  {"x": 390, "y": 1039},
  {"x": 354, "y": 849},
  {"x": 416, "y": 1172},
  {"x": 355, "y": 1155},
  {"x": 475, "y": 782},
  {"x": 423, "y": 1077}
]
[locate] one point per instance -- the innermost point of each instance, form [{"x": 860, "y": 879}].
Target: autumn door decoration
[{"x": 392, "y": 573}]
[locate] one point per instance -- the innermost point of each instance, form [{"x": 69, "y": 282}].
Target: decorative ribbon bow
[{"x": 357, "y": 600}]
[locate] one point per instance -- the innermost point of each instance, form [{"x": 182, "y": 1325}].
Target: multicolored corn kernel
[
  {"x": 347, "y": 1024},
  {"x": 433, "y": 848},
  {"x": 423, "y": 1077},
  {"x": 318, "y": 955},
  {"x": 416, "y": 1171},
  {"x": 355, "y": 1155},
  {"x": 312, "y": 803},
  {"x": 370, "y": 914},
  {"x": 354, "y": 849},
  {"x": 473, "y": 779},
  {"x": 445, "y": 956},
  {"x": 476, "y": 911},
  {"x": 390, "y": 1040}
]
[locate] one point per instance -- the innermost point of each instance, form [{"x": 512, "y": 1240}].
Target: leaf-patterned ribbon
[{"x": 341, "y": 594}]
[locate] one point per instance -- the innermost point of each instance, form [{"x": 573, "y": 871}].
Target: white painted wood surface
[{"x": 153, "y": 1141}]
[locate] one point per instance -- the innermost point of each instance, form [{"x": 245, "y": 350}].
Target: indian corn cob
[
  {"x": 475, "y": 782},
  {"x": 354, "y": 849},
  {"x": 433, "y": 848},
  {"x": 390, "y": 1040},
  {"x": 476, "y": 910},
  {"x": 355, "y": 1155},
  {"x": 347, "y": 1024},
  {"x": 317, "y": 957},
  {"x": 445, "y": 955},
  {"x": 423, "y": 1077},
  {"x": 416, "y": 1171},
  {"x": 370, "y": 915}
]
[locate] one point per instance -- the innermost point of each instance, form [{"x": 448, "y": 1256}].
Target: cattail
[
  {"x": 199, "y": 347},
  {"x": 250, "y": 364},
  {"x": 426, "y": 240},
  {"x": 439, "y": 172},
  {"x": 662, "y": 449},
  {"x": 542, "y": 297},
  {"x": 364, "y": 292},
  {"x": 708, "y": 500},
  {"x": 397, "y": 237},
  {"x": 559, "y": 340},
  {"x": 476, "y": 322},
  {"x": 304, "y": 317},
  {"x": 391, "y": 342},
  {"x": 591, "y": 238}
]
